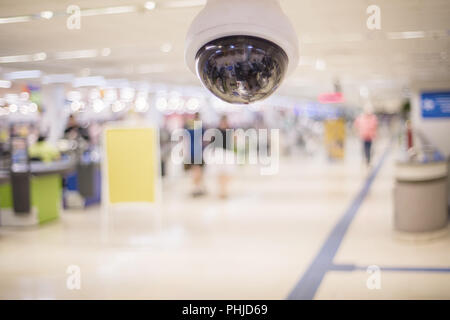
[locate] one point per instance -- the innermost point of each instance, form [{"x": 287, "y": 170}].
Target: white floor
[{"x": 255, "y": 245}]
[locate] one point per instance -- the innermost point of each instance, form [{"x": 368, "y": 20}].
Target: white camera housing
[{"x": 263, "y": 19}]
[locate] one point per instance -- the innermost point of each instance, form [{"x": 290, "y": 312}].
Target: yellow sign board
[
  {"x": 335, "y": 138},
  {"x": 132, "y": 164}
]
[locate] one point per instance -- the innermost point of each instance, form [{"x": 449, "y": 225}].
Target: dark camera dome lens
[{"x": 241, "y": 69}]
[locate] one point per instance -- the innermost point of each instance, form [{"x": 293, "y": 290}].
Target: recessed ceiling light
[
  {"x": 150, "y": 5},
  {"x": 46, "y": 14},
  {"x": 106, "y": 52},
  {"x": 166, "y": 47},
  {"x": 320, "y": 64}
]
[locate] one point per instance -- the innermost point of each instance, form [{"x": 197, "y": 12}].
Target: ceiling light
[
  {"x": 18, "y": 58},
  {"x": 13, "y": 108},
  {"x": 108, "y": 10},
  {"x": 166, "y": 47},
  {"x": 161, "y": 104},
  {"x": 5, "y": 84},
  {"x": 141, "y": 105},
  {"x": 26, "y": 74},
  {"x": 150, "y": 5},
  {"x": 33, "y": 107},
  {"x": 23, "y": 109},
  {"x": 24, "y": 96},
  {"x": 117, "y": 106},
  {"x": 364, "y": 91},
  {"x": 184, "y": 3},
  {"x": 40, "y": 56},
  {"x": 46, "y": 14},
  {"x": 127, "y": 94},
  {"x": 98, "y": 105},
  {"x": 106, "y": 52},
  {"x": 15, "y": 19},
  {"x": 193, "y": 104},
  {"x": 77, "y": 54},
  {"x": 320, "y": 64},
  {"x": 406, "y": 35}
]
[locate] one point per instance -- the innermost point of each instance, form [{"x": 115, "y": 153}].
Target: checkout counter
[
  {"x": 31, "y": 194},
  {"x": 421, "y": 191}
]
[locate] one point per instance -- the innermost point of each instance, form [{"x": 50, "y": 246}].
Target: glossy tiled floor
[{"x": 255, "y": 245}]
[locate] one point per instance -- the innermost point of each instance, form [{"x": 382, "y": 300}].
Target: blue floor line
[
  {"x": 306, "y": 288},
  {"x": 352, "y": 267},
  {"x": 413, "y": 269}
]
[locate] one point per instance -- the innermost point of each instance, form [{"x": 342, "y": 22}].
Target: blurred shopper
[
  {"x": 165, "y": 147},
  {"x": 195, "y": 158},
  {"x": 74, "y": 131},
  {"x": 43, "y": 151},
  {"x": 224, "y": 168},
  {"x": 367, "y": 125}
]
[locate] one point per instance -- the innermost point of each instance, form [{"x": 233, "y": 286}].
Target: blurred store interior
[{"x": 133, "y": 222}]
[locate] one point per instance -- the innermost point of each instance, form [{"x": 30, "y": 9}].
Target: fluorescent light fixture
[
  {"x": 58, "y": 78},
  {"x": 406, "y": 35},
  {"x": 6, "y": 84},
  {"x": 184, "y": 3},
  {"x": 18, "y": 58},
  {"x": 108, "y": 10},
  {"x": 24, "y": 58},
  {"x": 26, "y": 74},
  {"x": 77, "y": 54},
  {"x": 89, "y": 82},
  {"x": 150, "y": 5},
  {"x": 15, "y": 19},
  {"x": 46, "y": 14}
]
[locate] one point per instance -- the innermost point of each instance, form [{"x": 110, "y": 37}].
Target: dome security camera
[{"x": 241, "y": 49}]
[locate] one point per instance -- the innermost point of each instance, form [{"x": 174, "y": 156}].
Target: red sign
[{"x": 336, "y": 97}]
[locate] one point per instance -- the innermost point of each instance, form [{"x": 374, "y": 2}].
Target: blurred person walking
[
  {"x": 195, "y": 162},
  {"x": 224, "y": 171},
  {"x": 367, "y": 124}
]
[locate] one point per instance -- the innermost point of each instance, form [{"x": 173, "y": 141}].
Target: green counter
[{"x": 46, "y": 196}]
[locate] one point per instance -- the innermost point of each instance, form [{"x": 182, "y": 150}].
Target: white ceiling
[{"x": 329, "y": 30}]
